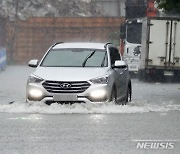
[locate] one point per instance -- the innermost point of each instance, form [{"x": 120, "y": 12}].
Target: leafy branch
[{"x": 169, "y": 5}]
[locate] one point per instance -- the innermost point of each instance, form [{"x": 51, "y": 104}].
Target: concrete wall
[{"x": 112, "y": 8}]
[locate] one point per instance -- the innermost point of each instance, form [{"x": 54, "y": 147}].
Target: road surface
[{"x": 149, "y": 124}]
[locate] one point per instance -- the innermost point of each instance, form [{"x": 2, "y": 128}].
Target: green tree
[{"x": 169, "y": 5}]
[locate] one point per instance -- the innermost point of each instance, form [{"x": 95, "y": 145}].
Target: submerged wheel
[
  {"x": 128, "y": 95},
  {"x": 114, "y": 97}
]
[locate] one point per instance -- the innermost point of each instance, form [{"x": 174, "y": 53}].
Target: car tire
[
  {"x": 114, "y": 96},
  {"x": 128, "y": 95}
]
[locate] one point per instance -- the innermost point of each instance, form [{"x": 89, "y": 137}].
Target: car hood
[{"x": 70, "y": 73}]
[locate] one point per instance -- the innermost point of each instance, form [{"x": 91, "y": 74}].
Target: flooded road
[{"x": 149, "y": 124}]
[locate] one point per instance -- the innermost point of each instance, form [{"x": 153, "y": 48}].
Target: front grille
[{"x": 66, "y": 87}]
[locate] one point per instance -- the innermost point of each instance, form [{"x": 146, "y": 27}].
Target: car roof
[{"x": 87, "y": 45}]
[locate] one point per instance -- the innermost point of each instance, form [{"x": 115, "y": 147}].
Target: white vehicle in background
[
  {"x": 131, "y": 48},
  {"x": 160, "y": 56}
]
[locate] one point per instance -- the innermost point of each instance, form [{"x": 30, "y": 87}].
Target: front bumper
[{"x": 96, "y": 93}]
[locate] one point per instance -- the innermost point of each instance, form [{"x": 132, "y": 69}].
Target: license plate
[
  {"x": 65, "y": 97},
  {"x": 168, "y": 73}
]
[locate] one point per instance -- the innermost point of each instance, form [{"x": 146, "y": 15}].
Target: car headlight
[
  {"x": 35, "y": 93},
  {"x": 100, "y": 80},
  {"x": 99, "y": 93},
  {"x": 34, "y": 79}
]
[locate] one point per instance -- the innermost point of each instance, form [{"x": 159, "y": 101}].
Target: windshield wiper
[{"x": 88, "y": 57}]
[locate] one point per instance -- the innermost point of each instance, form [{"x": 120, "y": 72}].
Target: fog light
[
  {"x": 35, "y": 93},
  {"x": 98, "y": 95}
]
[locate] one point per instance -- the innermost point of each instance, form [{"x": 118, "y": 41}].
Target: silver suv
[{"x": 80, "y": 73}]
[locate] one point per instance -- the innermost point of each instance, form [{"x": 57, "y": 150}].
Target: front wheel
[
  {"x": 129, "y": 94},
  {"x": 114, "y": 96}
]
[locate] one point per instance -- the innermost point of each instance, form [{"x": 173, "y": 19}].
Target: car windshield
[{"x": 75, "y": 58}]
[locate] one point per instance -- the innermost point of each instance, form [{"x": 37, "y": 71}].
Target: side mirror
[
  {"x": 33, "y": 63},
  {"x": 120, "y": 64}
]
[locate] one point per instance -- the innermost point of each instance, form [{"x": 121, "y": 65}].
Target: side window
[{"x": 114, "y": 55}]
